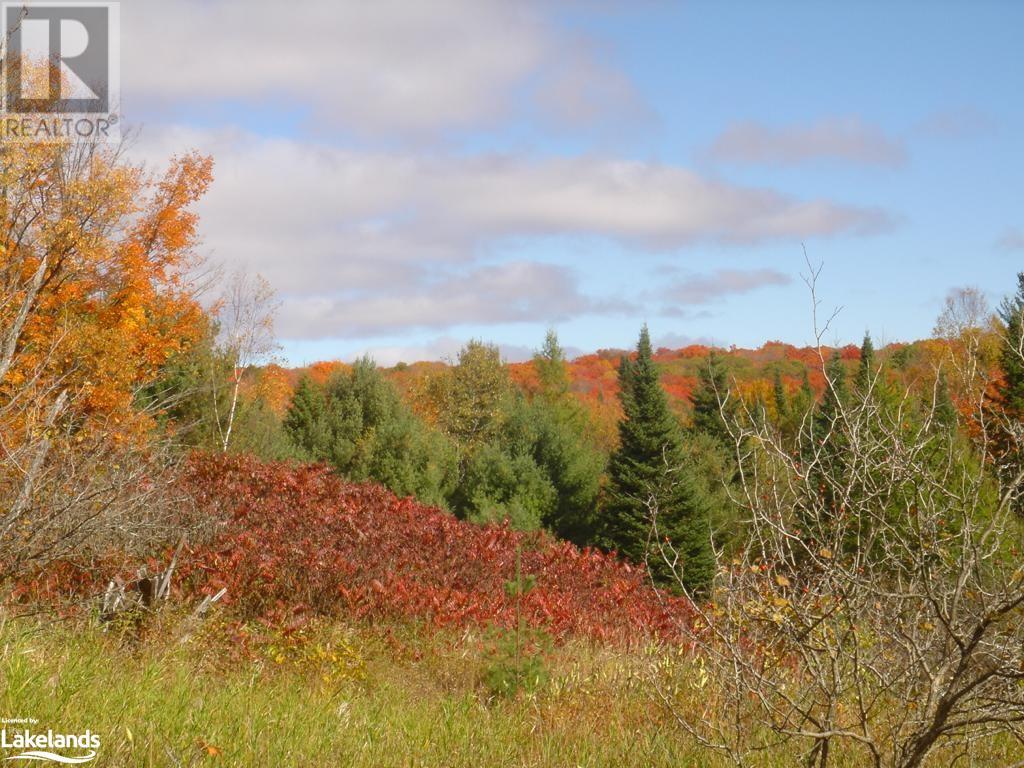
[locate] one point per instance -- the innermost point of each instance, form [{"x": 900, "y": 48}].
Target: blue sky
[{"x": 409, "y": 176}]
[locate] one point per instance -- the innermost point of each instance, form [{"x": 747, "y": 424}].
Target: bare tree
[
  {"x": 966, "y": 310},
  {"x": 246, "y": 337},
  {"x": 877, "y": 606}
]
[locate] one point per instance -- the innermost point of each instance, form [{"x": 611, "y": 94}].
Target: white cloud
[
  {"x": 646, "y": 203},
  {"x": 364, "y": 242},
  {"x": 387, "y": 66},
  {"x": 673, "y": 340},
  {"x": 504, "y": 293},
  {"x": 845, "y": 139},
  {"x": 702, "y": 289}
]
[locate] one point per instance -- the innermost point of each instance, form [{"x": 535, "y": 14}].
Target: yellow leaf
[
  {"x": 782, "y": 581},
  {"x": 825, "y": 553}
]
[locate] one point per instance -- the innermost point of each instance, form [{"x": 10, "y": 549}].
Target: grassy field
[{"x": 339, "y": 696}]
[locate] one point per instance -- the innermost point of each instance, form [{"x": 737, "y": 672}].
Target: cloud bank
[
  {"x": 386, "y": 67},
  {"x": 366, "y": 243}
]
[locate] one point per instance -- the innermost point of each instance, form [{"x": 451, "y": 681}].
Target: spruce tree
[
  {"x": 801, "y": 411},
  {"x": 837, "y": 393},
  {"x": 551, "y": 368},
  {"x": 650, "y": 465},
  {"x": 781, "y": 401},
  {"x": 307, "y": 421},
  {"x": 829, "y": 430},
  {"x": 712, "y": 390},
  {"x": 866, "y": 369},
  {"x": 376, "y": 436},
  {"x": 1008, "y": 405},
  {"x": 1011, "y": 357},
  {"x": 945, "y": 411},
  {"x": 806, "y": 390}
]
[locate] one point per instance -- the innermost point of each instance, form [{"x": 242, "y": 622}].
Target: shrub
[{"x": 296, "y": 540}]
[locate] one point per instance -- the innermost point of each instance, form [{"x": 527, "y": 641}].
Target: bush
[{"x": 295, "y": 540}]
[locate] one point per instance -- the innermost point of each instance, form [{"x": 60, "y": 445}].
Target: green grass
[
  {"x": 336, "y": 696},
  {"x": 167, "y": 703}
]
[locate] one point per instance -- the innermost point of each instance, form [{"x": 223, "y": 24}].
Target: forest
[{"x": 701, "y": 556}]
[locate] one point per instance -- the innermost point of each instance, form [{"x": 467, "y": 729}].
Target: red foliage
[
  {"x": 679, "y": 387},
  {"x": 296, "y": 539}
]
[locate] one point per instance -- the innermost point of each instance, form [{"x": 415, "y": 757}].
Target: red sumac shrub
[{"x": 295, "y": 540}]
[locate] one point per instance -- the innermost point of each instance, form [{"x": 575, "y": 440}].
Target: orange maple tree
[{"x": 94, "y": 260}]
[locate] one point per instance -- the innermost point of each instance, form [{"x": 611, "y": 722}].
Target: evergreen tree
[
  {"x": 781, "y": 401},
  {"x": 650, "y": 465},
  {"x": 551, "y": 367},
  {"x": 501, "y": 478},
  {"x": 260, "y": 432},
  {"x": 564, "y": 446},
  {"x": 359, "y": 425},
  {"x": 306, "y": 421},
  {"x": 806, "y": 390},
  {"x": 828, "y": 430},
  {"x": 1011, "y": 312},
  {"x": 376, "y": 436},
  {"x": 866, "y": 368},
  {"x": 708, "y": 398},
  {"x": 945, "y": 411},
  {"x": 1008, "y": 405},
  {"x": 801, "y": 411},
  {"x": 190, "y": 390},
  {"x": 837, "y": 393}
]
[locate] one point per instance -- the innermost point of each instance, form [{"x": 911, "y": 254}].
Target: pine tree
[
  {"x": 306, "y": 422},
  {"x": 829, "y": 430},
  {"x": 563, "y": 446},
  {"x": 801, "y": 411},
  {"x": 1008, "y": 404},
  {"x": 376, "y": 436},
  {"x": 708, "y": 398},
  {"x": 866, "y": 369},
  {"x": 551, "y": 368},
  {"x": 781, "y": 401},
  {"x": 837, "y": 394},
  {"x": 806, "y": 390},
  {"x": 650, "y": 465},
  {"x": 1012, "y": 354}
]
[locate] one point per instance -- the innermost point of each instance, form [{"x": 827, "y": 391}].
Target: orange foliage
[
  {"x": 323, "y": 370},
  {"x": 274, "y": 388},
  {"x": 112, "y": 246},
  {"x": 524, "y": 376}
]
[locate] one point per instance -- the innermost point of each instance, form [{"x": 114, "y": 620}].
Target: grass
[
  {"x": 376, "y": 703},
  {"x": 336, "y": 696}
]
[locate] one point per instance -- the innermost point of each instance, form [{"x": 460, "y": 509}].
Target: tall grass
[{"x": 341, "y": 696}]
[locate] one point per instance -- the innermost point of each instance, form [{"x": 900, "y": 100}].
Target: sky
[{"x": 410, "y": 175}]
